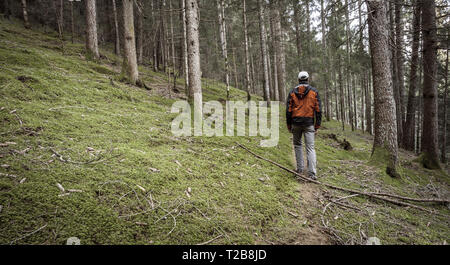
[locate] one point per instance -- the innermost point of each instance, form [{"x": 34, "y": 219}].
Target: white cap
[{"x": 303, "y": 75}]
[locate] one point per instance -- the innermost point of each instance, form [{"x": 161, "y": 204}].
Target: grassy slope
[{"x": 74, "y": 110}]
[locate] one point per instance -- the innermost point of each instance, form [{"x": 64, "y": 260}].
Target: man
[{"x": 303, "y": 117}]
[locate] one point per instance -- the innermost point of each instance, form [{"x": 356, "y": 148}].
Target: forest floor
[{"x": 127, "y": 180}]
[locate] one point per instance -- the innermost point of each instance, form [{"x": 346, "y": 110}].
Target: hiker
[{"x": 303, "y": 117}]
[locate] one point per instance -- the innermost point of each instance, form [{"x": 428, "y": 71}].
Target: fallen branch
[{"x": 371, "y": 195}]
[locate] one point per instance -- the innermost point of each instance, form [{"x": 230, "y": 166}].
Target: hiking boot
[{"x": 312, "y": 176}]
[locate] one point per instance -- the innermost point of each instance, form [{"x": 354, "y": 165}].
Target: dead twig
[
  {"x": 209, "y": 241},
  {"x": 27, "y": 235}
]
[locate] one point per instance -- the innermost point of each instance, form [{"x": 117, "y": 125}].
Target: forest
[{"x": 88, "y": 154}]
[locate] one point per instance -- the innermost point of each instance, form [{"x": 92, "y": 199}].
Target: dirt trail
[{"x": 309, "y": 194}]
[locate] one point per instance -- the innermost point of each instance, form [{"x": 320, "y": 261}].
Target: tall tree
[
  {"x": 368, "y": 103},
  {"x": 195, "y": 82},
  {"x": 72, "y": 22},
  {"x": 91, "y": 30},
  {"x": 324, "y": 58},
  {"x": 116, "y": 29},
  {"x": 298, "y": 37},
  {"x": 140, "y": 31},
  {"x": 430, "y": 153},
  {"x": 385, "y": 146},
  {"x": 129, "y": 67},
  {"x": 444, "y": 129},
  {"x": 59, "y": 12},
  {"x": 193, "y": 47},
  {"x": 247, "y": 61},
  {"x": 223, "y": 42},
  {"x": 400, "y": 72},
  {"x": 262, "y": 36},
  {"x": 185, "y": 53},
  {"x": 409, "y": 128},
  {"x": 25, "y": 14},
  {"x": 279, "y": 46},
  {"x": 348, "y": 72}
]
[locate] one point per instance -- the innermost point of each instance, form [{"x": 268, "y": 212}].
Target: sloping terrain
[{"x": 125, "y": 179}]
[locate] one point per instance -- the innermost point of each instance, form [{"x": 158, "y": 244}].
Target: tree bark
[
  {"x": 444, "y": 129},
  {"x": 72, "y": 22},
  {"x": 262, "y": 35},
  {"x": 385, "y": 146},
  {"x": 400, "y": 73},
  {"x": 430, "y": 149},
  {"x": 59, "y": 8},
  {"x": 185, "y": 53},
  {"x": 116, "y": 29},
  {"x": 223, "y": 42},
  {"x": 275, "y": 92},
  {"x": 91, "y": 30},
  {"x": 195, "y": 85},
  {"x": 348, "y": 71},
  {"x": 140, "y": 31},
  {"x": 129, "y": 67},
  {"x": 368, "y": 104},
  {"x": 324, "y": 59},
  {"x": 247, "y": 61},
  {"x": 341, "y": 92},
  {"x": 279, "y": 46},
  {"x": 409, "y": 128},
  {"x": 298, "y": 36},
  {"x": 25, "y": 14}
]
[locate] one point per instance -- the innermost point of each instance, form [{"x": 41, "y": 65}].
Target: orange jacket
[{"x": 303, "y": 105}]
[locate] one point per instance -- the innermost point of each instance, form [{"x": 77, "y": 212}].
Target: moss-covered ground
[{"x": 128, "y": 180}]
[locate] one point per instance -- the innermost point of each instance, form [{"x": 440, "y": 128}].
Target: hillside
[{"x": 128, "y": 180}]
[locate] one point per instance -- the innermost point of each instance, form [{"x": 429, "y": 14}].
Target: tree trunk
[
  {"x": 298, "y": 36},
  {"x": 308, "y": 35},
  {"x": 324, "y": 59},
  {"x": 72, "y": 23},
  {"x": 275, "y": 92},
  {"x": 430, "y": 149},
  {"x": 385, "y": 146},
  {"x": 185, "y": 53},
  {"x": 348, "y": 72},
  {"x": 247, "y": 61},
  {"x": 116, "y": 29},
  {"x": 409, "y": 128},
  {"x": 195, "y": 85},
  {"x": 400, "y": 79},
  {"x": 25, "y": 14},
  {"x": 129, "y": 67},
  {"x": 362, "y": 101},
  {"x": 59, "y": 8},
  {"x": 91, "y": 30},
  {"x": 279, "y": 46},
  {"x": 223, "y": 42},
  {"x": 341, "y": 92},
  {"x": 354, "y": 101},
  {"x": 368, "y": 104},
  {"x": 444, "y": 129},
  {"x": 262, "y": 35},
  {"x": 172, "y": 44},
  {"x": 140, "y": 31}
]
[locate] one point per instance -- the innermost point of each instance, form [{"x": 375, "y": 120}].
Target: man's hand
[{"x": 289, "y": 127}]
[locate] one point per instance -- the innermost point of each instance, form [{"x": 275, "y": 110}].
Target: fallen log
[{"x": 380, "y": 196}]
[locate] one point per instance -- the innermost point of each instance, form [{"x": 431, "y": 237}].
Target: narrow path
[{"x": 309, "y": 194}]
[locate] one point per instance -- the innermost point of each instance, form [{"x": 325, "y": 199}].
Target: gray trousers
[{"x": 308, "y": 131}]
